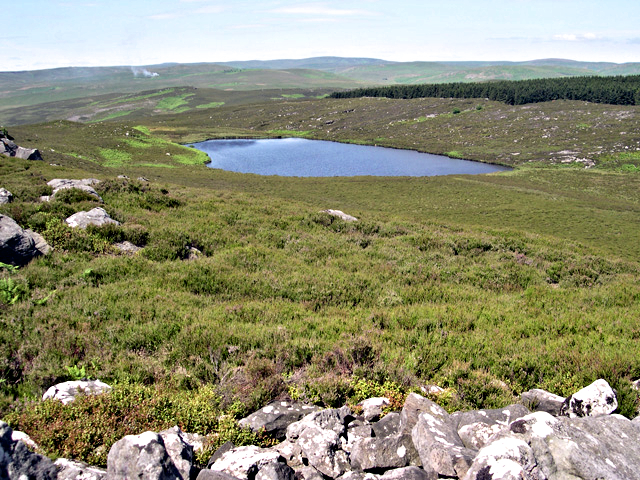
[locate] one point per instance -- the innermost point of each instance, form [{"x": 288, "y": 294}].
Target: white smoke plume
[{"x": 140, "y": 71}]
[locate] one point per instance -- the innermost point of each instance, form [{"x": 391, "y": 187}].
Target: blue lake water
[{"x": 297, "y": 157}]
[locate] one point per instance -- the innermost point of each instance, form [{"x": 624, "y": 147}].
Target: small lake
[{"x": 298, "y": 157}]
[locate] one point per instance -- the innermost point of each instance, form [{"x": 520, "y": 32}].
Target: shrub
[
  {"x": 74, "y": 195},
  {"x": 169, "y": 246}
]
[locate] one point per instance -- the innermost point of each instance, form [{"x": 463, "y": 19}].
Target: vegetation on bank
[
  {"x": 486, "y": 285},
  {"x": 619, "y": 90}
]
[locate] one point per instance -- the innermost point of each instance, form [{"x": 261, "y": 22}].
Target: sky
[{"x": 40, "y": 34}]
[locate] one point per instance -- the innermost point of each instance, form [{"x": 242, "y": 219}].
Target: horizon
[{"x": 93, "y": 33}]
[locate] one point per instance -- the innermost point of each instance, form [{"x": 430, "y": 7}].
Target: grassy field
[{"x": 485, "y": 285}]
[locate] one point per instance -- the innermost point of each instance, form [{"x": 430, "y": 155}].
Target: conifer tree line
[{"x": 618, "y": 90}]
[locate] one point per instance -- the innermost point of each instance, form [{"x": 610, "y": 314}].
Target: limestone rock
[
  {"x": 500, "y": 416},
  {"x": 322, "y": 449},
  {"x": 66, "y": 392},
  {"x": 85, "y": 184},
  {"x": 222, "y": 449},
  {"x": 141, "y": 456},
  {"x": 214, "y": 475},
  {"x": 595, "y": 399},
  {"x": 331, "y": 419},
  {"x": 372, "y": 408},
  {"x": 507, "y": 458},
  {"x": 309, "y": 473},
  {"x": 39, "y": 242},
  {"x": 245, "y": 462},
  {"x": 414, "y": 405},
  {"x": 438, "y": 444},
  {"x": 387, "y": 426},
  {"x": 357, "y": 430},
  {"x": 180, "y": 451},
  {"x": 74, "y": 470},
  {"x": 409, "y": 473},
  {"x": 10, "y": 149},
  {"x": 291, "y": 452},
  {"x": 395, "y": 451},
  {"x": 542, "y": 401},
  {"x": 17, "y": 461},
  {"x": 17, "y": 247},
  {"x": 5, "y": 196},
  {"x": 276, "y": 471},
  {"x": 340, "y": 214},
  {"x": 276, "y": 417},
  {"x": 476, "y": 435},
  {"x": 96, "y": 216},
  {"x": 127, "y": 247}
]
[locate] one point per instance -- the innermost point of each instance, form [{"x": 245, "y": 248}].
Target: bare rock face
[
  {"x": 372, "y": 408},
  {"x": 17, "y": 461},
  {"x": 17, "y": 247},
  {"x": 245, "y": 462},
  {"x": 67, "y": 392},
  {"x": 141, "y": 456},
  {"x": 385, "y": 453},
  {"x": 74, "y": 470},
  {"x": 180, "y": 451},
  {"x": 595, "y": 399},
  {"x": 96, "y": 216},
  {"x": 276, "y": 417},
  {"x": 542, "y": 401},
  {"x": 9, "y": 148}
]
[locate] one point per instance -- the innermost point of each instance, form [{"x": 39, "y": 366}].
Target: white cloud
[{"x": 573, "y": 37}]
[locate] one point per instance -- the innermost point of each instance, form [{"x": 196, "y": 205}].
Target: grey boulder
[
  {"x": 74, "y": 470},
  {"x": 385, "y": 453},
  {"x": 595, "y": 399},
  {"x": 180, "y": 451},
  {"x": 141, "y": 456},
  {"x": 66, "y": 392},
  {"x": 17, "y": 461},
  {"x": 96, "y": 216},
  {"x": 245, "y": 462},
  {"x": 5, "y": 196},
  {"x": 17, "y": 247},
  {"x": 542, "y": 401},
  {"x": 276, "y": 417}
]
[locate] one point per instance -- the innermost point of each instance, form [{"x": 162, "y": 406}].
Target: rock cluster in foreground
[{"x": 573, "y": 438}]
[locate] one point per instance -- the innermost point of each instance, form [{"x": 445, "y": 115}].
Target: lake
[{"x": 298, "y": 157}]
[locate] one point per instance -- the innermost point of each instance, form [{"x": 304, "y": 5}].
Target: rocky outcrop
[
  {"x": 96, "y": 216},
  {"x": 85, "y": 184},
  {"x": 141, "y": 456},
  {"x": 5, "y": 196},
  {"x": 596, "y": 399},
  {"x": 274, "y": 418},
  {"x": 341, "y": 215},
  {"x": 67, "y": 392},
  {"x": 17, "y": 461},
  {"x": 17, "y": 247},
  {"x": 9, "y": 148}
]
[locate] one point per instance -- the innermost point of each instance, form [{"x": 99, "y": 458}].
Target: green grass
[
  {"x": 173, "y": 103},
  {"x": 114, "y": 158},
  {"x": 211, "y": 105}
]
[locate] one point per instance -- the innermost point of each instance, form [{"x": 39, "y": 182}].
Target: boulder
[
  {"x": 476, "y": 435},
  {"x": 67, "y": 392},
  {"x": 276, "y": 471},
  {"x": 85, "y": 184},
  {"x": 357, "y": 430},
  {"x": 387, "y": 426},
  {"x": 507, "y": 458},
  {"x": 414, "y": 405},
  {"x": 17, "y": 461},
  {"x": 276, "y": 417},
  {"x": 96, "y": 216},
  {"x": 438, "y": 444},
  {"x": 539, "y": 400},
  {"x": 245, "y": 462},
  {"x": 5, "y": 196},
  {"x": 500, "y": 416},
  {"x": 10, "y": 149},
  {"x": 74, "y": 470},
  {"x": 39, "y": 242},
  {"x": 372, "y": 408},
  {"x": 322, "y": 449},
  {"x": 17, "y": 247},
  {"x": 222, "y": 449},
  {"x": 141, "y": 456},
  {"x": 180, "y": 451},
  {"x": 213, "y": 475},
  {"x": 291, "y": 452},
  {"x": 24, "y": 438},
  {"x": 408, "y": 473},
  {"x": 340, "y": 214},
  {"x": 376, "y": 454},
  {"x": 127, "y": 247},
  {"x": 595, "y": 399},
  {"x": 309, "y": 473},
  {"x": 334, "y": 419}
]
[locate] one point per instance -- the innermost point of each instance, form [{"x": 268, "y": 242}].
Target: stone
[
  {"x": 357, "y": 430},
  {"x": 542, "y": 401},
  {"x": 276, "y": 417},
  {"x": 413, "y": 406},
  {"x": 309, "y": 473},
  {"x": 635, "y": 384},
  {"x": 276, "y": 471},
  {"x": 67, "y": 392},
  {"x": 16, "y": 245},
  {"x": 214, "y": 475},
  {"x": 395, "y": 451},
  {"x": 322, "y": 449},
  {"x": 358, "y": 475},
  {"x": 39, "y": 242},
  {"x": 180, "y": 451},
  {"x": 291, "y": 452},
  {"x": 595, "y": 399},
  {"x": 476, "y": 435},
  {"x": 141, "y": 456},
  {"x": 17, "y": 461},
  {"x": 438, "y": 444},
  {"x": 75, "y": 470},
  {"x": 341, "y": 215},
  {"x": 387, "y": 426},
  {"x": 10, "y": 149},
  {"x": 409, "y": 473},
  {"x": 500, "y": 416},
  {"x": 507, "y": 458},
  {"x": 222, "y": 449},
  {"x": 372, "y": 408},
  {"x": 5, "y": 196},
  {"x": 196, "y": 440},
  {"x": 96, "y": 216},
  {"x": 245, "y": 462},
  {"x": 334, "y": 419},
  {"x": 127, "y": 247},
  {"x": 24, "y": 438},
  {"x": 86, "y": 185}
]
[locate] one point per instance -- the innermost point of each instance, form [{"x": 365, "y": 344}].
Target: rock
[
  {"x": 340, "y": 214},
  {"x": 507, "y": 458},
  {"x": 17, "y": 247},
  {"x": 409, "y": 473},
  {"x": 395, "y": 451},
  {"x": 195, "y": 440},
  {"x": 291, "y": 452},
  {"x": 438, "y": 444},
  {"x": 595, "y": 399},
  {"x": 127, "y": 247},
  {"x": 10, "y": 149},
  {"x": 331, "y": 419},
  {"x": 500, "y": 416},
  {"x": 141, "y": 456},
  {"x": 222, "y": 449},
  {"x": 17, "y": 461},
  {"x": 358, "y": 475},
  {"x": 276, "y": 471},
  {"x": 86, "y": 185},
  {"x": 24, "y": 438},
  {"x": 432, "y": 390},
  {"x": 276, "y": 417},
  {"x": 372, "y": 408},
  {"x": 245, "y": 462},
  {"x": 542, "y": 401},
  {"x": 387, "y": 426},
  {"x": 180, "y": 451},
  {"x": 66, "y": 392},
  {"x": 96, "y": 216},
  {"x": 476, "y": 435},
  {"x": 40, "y": 243},
  {"x": 635, "y": 384},
  {"x": 5, "y": 196},
  {"x": 357, "y": 430},
  {"x": 213, "y": 475},
  {"x": 414, "y": 405},
  {"x": 123, "y": 177},
  {"x": 309, "y": 473},
  {"x": 322, "y": 449},
  {"x": 74, "y": 470},
  {"x": 142, "y": 179}
]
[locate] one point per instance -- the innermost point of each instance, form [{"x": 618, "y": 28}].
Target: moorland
[{"x": 485, "y": 285}]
